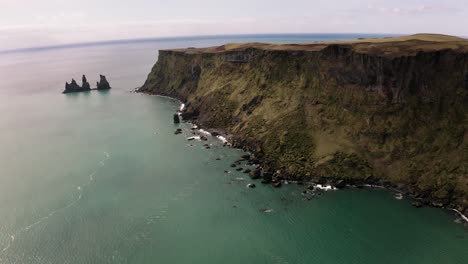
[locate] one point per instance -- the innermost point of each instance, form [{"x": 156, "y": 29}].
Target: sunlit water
[{"x": 100, "y": 177}]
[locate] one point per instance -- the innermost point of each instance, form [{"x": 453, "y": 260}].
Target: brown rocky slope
[{"x": 391, "y": 111}]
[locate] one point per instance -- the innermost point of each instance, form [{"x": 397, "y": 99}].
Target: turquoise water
[{"x": 100, "y": 177}]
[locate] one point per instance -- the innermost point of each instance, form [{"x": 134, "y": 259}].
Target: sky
[{"x": 32, "y": 23}]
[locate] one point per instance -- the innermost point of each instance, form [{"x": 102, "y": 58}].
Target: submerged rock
[{"x": 251, "y": 185}]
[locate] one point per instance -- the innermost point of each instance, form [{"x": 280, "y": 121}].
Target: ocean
[{"x": 100, "y": 177}]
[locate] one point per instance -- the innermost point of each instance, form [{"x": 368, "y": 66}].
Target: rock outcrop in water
[
  {"x": 103, "y": 84},
  {"x": 389, "y": 112},
  {"x": 85, "y": 86},
  {"x": 73, "y": 87}
]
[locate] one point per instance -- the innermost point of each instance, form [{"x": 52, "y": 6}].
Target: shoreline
[{"x": 416, "y": 202}]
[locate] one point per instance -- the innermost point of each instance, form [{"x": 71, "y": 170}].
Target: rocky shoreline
[
  {"x": 384, "y": 112},
  {"x": 269, "y": 175}
]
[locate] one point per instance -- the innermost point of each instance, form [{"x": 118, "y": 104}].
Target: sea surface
[{"x": 100, "y": 177}]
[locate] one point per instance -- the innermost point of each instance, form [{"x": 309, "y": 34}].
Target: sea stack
[
  {"x": 85, "y": 85},
  {"x": 73, "y": 87},
  {"x": 103, "y": 84}
]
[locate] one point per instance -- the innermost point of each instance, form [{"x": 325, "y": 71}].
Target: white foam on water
[
  {"x": 205, "y": 132},
  {"x": 461, "y": 215},
  {"x": 325, "y": 187},
  {"x": 399, "y": 196},
  {"x": 194, "y": 138},
  {"x": 223, "y": 139},
  {"x": 182, "y": 107}
]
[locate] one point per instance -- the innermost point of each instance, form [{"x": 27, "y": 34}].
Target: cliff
[{"x": 381, "y": 111}]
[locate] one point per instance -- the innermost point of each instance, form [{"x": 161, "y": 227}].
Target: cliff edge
[{"x": 387, "y": 111}]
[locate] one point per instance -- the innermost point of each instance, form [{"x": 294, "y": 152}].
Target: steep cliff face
[{"x": 354, "y": 113}]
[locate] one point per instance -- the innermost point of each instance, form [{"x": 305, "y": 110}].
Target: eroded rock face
[
  {"x": 342, "y": 112},
  {"x": 72, "y": 87},
  {"x": 103, "y": 84},
  {"x": 85, "y": 85}
]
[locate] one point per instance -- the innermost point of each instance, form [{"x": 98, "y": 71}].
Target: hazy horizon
[
  {"x": 193, "y": 37},
  {"x": 26, "y": 23}
]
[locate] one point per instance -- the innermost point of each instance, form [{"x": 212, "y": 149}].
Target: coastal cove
[{"x": 101, "y": 178}]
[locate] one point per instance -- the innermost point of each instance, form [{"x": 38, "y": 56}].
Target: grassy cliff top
[{"x": 392, "y": 46}]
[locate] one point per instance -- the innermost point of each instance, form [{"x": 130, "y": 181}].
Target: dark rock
[
  {"x": 247, "y": 171},
  {"x": 264, "y": 181},
  {"x": 417, "y": 204},
  {"x": 218, "y": 158},
  {"x": 85, "y": 85},
  {"x": 276, "y": 184},
  {"x": 256, "y": 174},
  {"x": 72, "y": 87},
  {"x": 238, "y": 169},
  {"x": 233, "y": 165},
  {"x": 203, "y": 138},
  {"x": 178, "y": 131},
  {"x": 466, "y": 81},
  {"x": 103, "y": 84},
  {"x": 268, "y": 176},
  {"x": 187, "y": 115},
  {"x": 340, "y": 184},
  {"x": 245, "y": 157},
  {"x": 176, "y": 119}
]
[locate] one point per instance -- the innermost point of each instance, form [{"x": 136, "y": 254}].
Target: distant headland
[{"x": 73, "y": 87}]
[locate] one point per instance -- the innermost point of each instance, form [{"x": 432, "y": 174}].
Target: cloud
[{"x": 412, "y": 10}]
